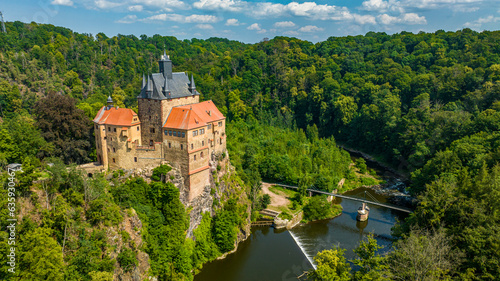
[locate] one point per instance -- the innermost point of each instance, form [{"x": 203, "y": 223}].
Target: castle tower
[
  {"x": 159, "y": 94},
  {"x": 110, "y": 102}
]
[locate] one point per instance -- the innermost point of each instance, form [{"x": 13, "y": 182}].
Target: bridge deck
[{"x": 350, "y": 198}]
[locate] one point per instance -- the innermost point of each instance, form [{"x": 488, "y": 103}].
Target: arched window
[{"x": 201, "y": 154}]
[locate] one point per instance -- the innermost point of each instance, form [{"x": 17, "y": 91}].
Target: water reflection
[{"x": 274, "y": 255}]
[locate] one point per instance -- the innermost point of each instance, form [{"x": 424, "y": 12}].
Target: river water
[{"x": 269, "y": 254}]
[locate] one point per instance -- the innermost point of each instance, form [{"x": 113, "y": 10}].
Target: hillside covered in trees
[{"x": 427, "y": 103}]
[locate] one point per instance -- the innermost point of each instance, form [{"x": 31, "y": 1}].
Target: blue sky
[{"x": 251, "y": 21}]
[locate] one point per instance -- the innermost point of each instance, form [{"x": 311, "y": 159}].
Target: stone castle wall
[{"x": 149, "y": 113}]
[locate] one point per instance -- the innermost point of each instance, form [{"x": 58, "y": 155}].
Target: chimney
[
  {"x": 166, "y": 90},
  {"x": 149, "y": 88},
  {"x": 165, "y": 65}
]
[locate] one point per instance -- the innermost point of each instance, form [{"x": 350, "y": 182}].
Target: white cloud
[
  {"x": 103, "y": 4},
  {"x": 480, "y": 21},
  {"x": 412, "y": 18},
  {"x": 400, "y": 6},
  {"x": 310, "y": 28},
  {"x": 182, "y": 19},
  {"x": 232, "y": 22},
  {"x": 375, "y": 5},
  {"x": 166, "y": 5},
  {"x": 62, "y": 2},
  {"x": 254, "y": 26},
  {"x": 310, "y": 10},
  {"x": 364, "y": 19},
  {"x": 162, "y": 17},
  {"x": 262, "y": 31},
  {"x": 464, "y": 9},
  {"x": 204, "y": 26},
  {"x": 201, "y": 19},
  {"x": 128, "y": 19},
  {"x": 225, "y": 5},
  {"x": 291, "y": 33},
  {"x": 136, "y": 8},
  {"x": 409, "y": 18},
  {"x": 387, "y": 20},
  {"x": 433, "y": 4},
  {"x": 284, "y": 24}
]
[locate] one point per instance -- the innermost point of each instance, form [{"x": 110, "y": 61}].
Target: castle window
[
  {"x": 201, "y": 154},
  {"x": 166, "y": 133},
  {"x": 114, "y": 150},
  {"x": 220, "y": 124},
  {"x": 209, "y": 126},
  {"x": 114, "y": 130},
  {"x": 175, "y": 133},
  {"x": 169, "y": 132},
  {"x": 135, "y": 159},
  {"x": 149, "y": 117},
  {"x": 109, "y": 129},
  {"x": 108, "y": 149},
  {"x": 183, "y": 134},
  {"x": 202, "y": 131},
  {"x": 202, "y": 143},
  {"x": 169, "y": 145},
  {"x": 192, "y": 146},
  {"x": 137, "y": 128},
  {"x": 152, "y": 130},
  {"x": 195, "y": 157},
  {"x": 181, "y": 146},
  {"x": 151, "y": 143},
  {"x": 114, "y": 160},
  {"x": 195, "y": 133}
]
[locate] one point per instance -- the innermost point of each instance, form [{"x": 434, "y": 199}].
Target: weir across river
[{"x": 348, "y": 198}]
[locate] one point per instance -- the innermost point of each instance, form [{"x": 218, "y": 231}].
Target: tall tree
[{"x": 66, "y": 126}]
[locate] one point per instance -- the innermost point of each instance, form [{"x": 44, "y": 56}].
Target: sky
[{"x": 252, "y": 21}]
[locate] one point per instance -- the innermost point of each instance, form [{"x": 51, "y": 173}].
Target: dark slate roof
[{"x": 178, "y": 86}]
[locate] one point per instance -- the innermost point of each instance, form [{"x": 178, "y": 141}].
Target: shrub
[
  {"x": 361, "y": 165},
  {"x": 224, "y": 230},
  {"x": 159, "y": 171},
  {"x": 265, "y": 200},
  {"x": 104, "y": 211},
  {"x": 127, "y": 259},
  {"x": 317, "y": 208}
]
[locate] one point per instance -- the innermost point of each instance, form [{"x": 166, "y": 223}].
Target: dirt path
[{"x": 277, "y": 200}]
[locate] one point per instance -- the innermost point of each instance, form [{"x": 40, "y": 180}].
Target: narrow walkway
[{"x": 349, "y": 198}]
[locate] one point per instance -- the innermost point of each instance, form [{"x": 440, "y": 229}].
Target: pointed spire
[
  {"x": 110, "y": 102},
  {"x": 143, "y": 80},
  {"x": 192, "y": 86}
]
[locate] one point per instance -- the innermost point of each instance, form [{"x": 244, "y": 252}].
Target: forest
[{"x": 428, "y": 104}]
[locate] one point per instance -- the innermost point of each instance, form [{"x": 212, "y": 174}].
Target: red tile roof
[
  {"x": 116, "y": 116},
  {"x": 184, "y": 119},
  {"x": 206, "y": 110},
  {"x": 192, "y": 116}
]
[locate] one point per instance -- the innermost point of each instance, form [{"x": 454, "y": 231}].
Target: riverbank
[{"x": 372, "y": 161}]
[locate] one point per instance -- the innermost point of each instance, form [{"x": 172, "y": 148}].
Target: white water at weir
[{"x": 300, "y": 243}]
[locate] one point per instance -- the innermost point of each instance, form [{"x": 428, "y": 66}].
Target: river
[{"x": 269, "y": 254}]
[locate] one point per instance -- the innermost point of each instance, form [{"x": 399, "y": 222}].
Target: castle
[{"x": 171, "y": 125}]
